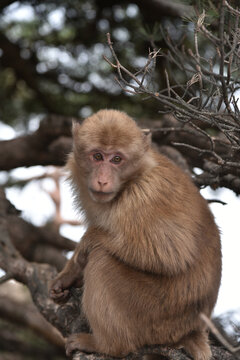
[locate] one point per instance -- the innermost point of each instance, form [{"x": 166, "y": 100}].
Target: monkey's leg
[
  {"x": 196, "y": 344},
  {"x": 110, "y": 307}
]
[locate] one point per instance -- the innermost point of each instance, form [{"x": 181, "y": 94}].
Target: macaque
[{"x": 150, "y": 260}]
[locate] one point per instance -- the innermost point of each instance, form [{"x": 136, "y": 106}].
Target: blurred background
[{"x": 51, "y": 63}]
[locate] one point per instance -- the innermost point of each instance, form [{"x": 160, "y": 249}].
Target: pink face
[{"x": 104, "y": 179}]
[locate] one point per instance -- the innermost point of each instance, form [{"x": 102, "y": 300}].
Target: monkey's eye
[
  {"x": 116, "y": 159},
  {"x": 98, "y": 157}
]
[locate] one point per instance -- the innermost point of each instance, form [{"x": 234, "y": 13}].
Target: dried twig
[
  {"x": 234, "y": 11},
  {"x": 209, "y": 96},
  {"x": 218, "y": 335},
  {"x": 210, "y": 201}
]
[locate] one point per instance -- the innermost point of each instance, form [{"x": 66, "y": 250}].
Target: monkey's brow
[
  {"x": 107, "y": 151},
  {"x": 94, "y": 150}
]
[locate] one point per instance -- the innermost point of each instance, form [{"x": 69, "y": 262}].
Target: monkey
[{"x": 150, "y": 259}]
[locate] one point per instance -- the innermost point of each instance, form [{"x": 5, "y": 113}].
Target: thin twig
[
  {"x": 168, "y": 83},
  {"x": 222, "y": 57},
  {"x": 210, "y": 201},
  {"x": 220, "y": 161},
  {"x": 195, "y": 103},
  {"x": 234, "y": 11},
  {"x": 218, "y": 335}
]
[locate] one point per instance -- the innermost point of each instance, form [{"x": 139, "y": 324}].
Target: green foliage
[
  {"x": 51, "y": 57},
  {"x": 60, "y": 45}
]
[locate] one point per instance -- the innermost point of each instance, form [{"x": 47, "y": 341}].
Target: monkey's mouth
[{"x": 101, "y": 196}]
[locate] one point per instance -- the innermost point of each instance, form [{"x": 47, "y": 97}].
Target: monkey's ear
[
  {"x": 147, "y": 137},
  {"x": 75, "y": 126}
]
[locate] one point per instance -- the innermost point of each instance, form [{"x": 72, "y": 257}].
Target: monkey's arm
[{"x": 72, "y": 273}]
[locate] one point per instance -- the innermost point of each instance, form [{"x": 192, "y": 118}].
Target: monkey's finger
[
  {"x": 57, "y": 287},
  {"x": 63, "y": 295},
  {"x": 55, "y": 292}
]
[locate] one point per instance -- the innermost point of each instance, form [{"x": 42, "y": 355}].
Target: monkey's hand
[
  {"x": 59, "y": 287},
  {"x": 71, "y": 275}
]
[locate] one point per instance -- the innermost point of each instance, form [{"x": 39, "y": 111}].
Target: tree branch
[
  {"x": 43, "y": 244},
  {"x": 49, "y": 145},
  {"x": 27, "y": 315}
]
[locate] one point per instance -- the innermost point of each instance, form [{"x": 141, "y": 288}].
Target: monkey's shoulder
[
  {"x": 164, "y": 189},
  {"x": 166, "y": 177}
]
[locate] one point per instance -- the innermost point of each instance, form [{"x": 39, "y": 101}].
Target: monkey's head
[{"x": 109, "y": 150}]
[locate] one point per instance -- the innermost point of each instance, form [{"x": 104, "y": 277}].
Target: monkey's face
[
  {"x": 105, "y": 175},
  {"x": 109, "y": 149}
]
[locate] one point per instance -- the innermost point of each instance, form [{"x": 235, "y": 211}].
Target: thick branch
[
  {"x": 49, "y": 145},
  {"x": 27, "y": 315},
  {"x": 67, "y": 318},
  {"x": 215, "y": 181},
  {"x": 36, "y": 244}
]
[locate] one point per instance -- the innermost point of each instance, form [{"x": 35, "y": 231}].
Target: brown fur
[{"x": 150, "y": 259}]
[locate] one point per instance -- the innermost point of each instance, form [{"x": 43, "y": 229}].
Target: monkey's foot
[
  {"x": 83, "y": 342},
  {"x": 201, "y": 354},
  {"x": 196, "y": 344}
]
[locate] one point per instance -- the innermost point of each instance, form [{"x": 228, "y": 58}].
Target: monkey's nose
[{"x": 102, "y": 184}]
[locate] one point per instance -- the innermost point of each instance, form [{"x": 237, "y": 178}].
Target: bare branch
[
  {"x": 201, "y": 106},
  {"x": 210, "y": 201},
  {"x": 218, "y": 335},
  {"x": 234, "y": 11},
  {"x": 43, "y": 244},
  {"x": 52, "y": 139}
]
